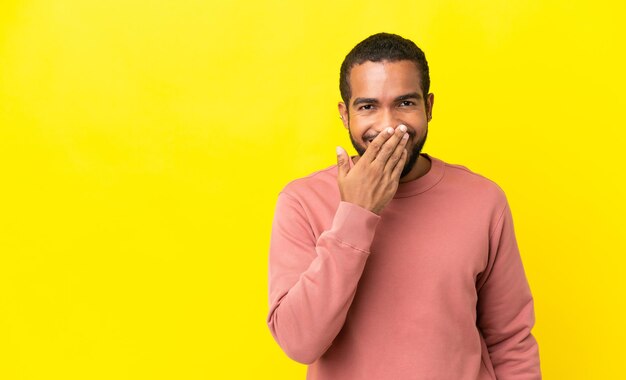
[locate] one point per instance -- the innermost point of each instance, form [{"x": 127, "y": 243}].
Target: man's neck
[{"x": 421, "y": 167}]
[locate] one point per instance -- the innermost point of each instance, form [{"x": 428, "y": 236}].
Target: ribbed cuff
[{"x": 354, "y": 226}]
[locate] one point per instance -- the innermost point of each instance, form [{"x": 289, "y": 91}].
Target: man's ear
[
  {"x": 343, "y": 113},
  {"x": 430, "y": 100}
]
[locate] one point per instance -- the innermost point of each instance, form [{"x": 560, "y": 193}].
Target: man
[{"x": 394, "y": 264}]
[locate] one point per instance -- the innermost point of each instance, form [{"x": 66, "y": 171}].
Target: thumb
[{"x": 343, "y": 165}]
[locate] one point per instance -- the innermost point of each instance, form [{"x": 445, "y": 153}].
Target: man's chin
[{"x": 408, "y": 165}]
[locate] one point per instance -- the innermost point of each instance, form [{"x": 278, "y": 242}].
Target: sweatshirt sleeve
[
  {"x": 505, "y": 307},
  {"x": 312, "y": 282}
]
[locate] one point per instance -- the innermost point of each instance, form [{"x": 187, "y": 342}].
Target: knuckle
[
  {"x": 375, "y": 146},
  {"x": 386, "y": 150}
]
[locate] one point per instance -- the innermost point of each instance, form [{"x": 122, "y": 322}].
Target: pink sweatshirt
[{"x": 433, "y": 288}]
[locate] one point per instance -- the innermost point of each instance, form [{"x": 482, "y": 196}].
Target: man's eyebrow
[
  {"x": 413, "y": 95},
  {"x": 358, "y": 101}
]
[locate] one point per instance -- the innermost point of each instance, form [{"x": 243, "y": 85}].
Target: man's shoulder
[
  {"x": 317, "y": 183},
  {"x": 469, "y": 181}
]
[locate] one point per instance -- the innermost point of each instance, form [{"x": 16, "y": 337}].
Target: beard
[{"x": 413, "y": 153}]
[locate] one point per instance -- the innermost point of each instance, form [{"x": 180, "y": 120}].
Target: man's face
[{"x": 387, "y": 94}]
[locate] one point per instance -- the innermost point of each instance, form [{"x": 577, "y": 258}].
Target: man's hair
[{"x": 382, "y": 47}]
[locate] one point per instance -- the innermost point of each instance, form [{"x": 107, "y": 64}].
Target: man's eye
[
  {"x": 366, "y": 107},
  {"x": 407, "y": 103}
]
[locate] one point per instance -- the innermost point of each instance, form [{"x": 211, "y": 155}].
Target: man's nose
[{"x": 386, "y": 119}]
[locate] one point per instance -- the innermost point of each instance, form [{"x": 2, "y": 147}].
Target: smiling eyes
[{"x": 403, "y": 103}]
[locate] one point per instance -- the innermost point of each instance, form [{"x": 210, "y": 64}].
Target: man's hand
[{"x": 373, "y": 180}]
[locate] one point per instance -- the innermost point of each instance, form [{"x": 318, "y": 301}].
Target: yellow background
[{"x": 143, "y": 144}]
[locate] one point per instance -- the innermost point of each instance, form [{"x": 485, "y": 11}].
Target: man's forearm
[{"x": 312, "y": 288}]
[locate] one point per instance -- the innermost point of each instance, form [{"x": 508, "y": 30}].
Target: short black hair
[{"x": 382, "y": 47}]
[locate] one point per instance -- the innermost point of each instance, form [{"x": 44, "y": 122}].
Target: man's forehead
[{"x": 370, "y": 76}]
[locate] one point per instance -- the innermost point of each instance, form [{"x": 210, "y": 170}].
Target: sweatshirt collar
[{"x": 425, "y": 182}]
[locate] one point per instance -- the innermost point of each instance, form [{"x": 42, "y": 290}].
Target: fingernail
[
  {"x": 389, "y": 130},
  {"x": 402, "y": 127},
  {"x": 405, "y": 136},
  {"x": 339, "y": 150}
]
